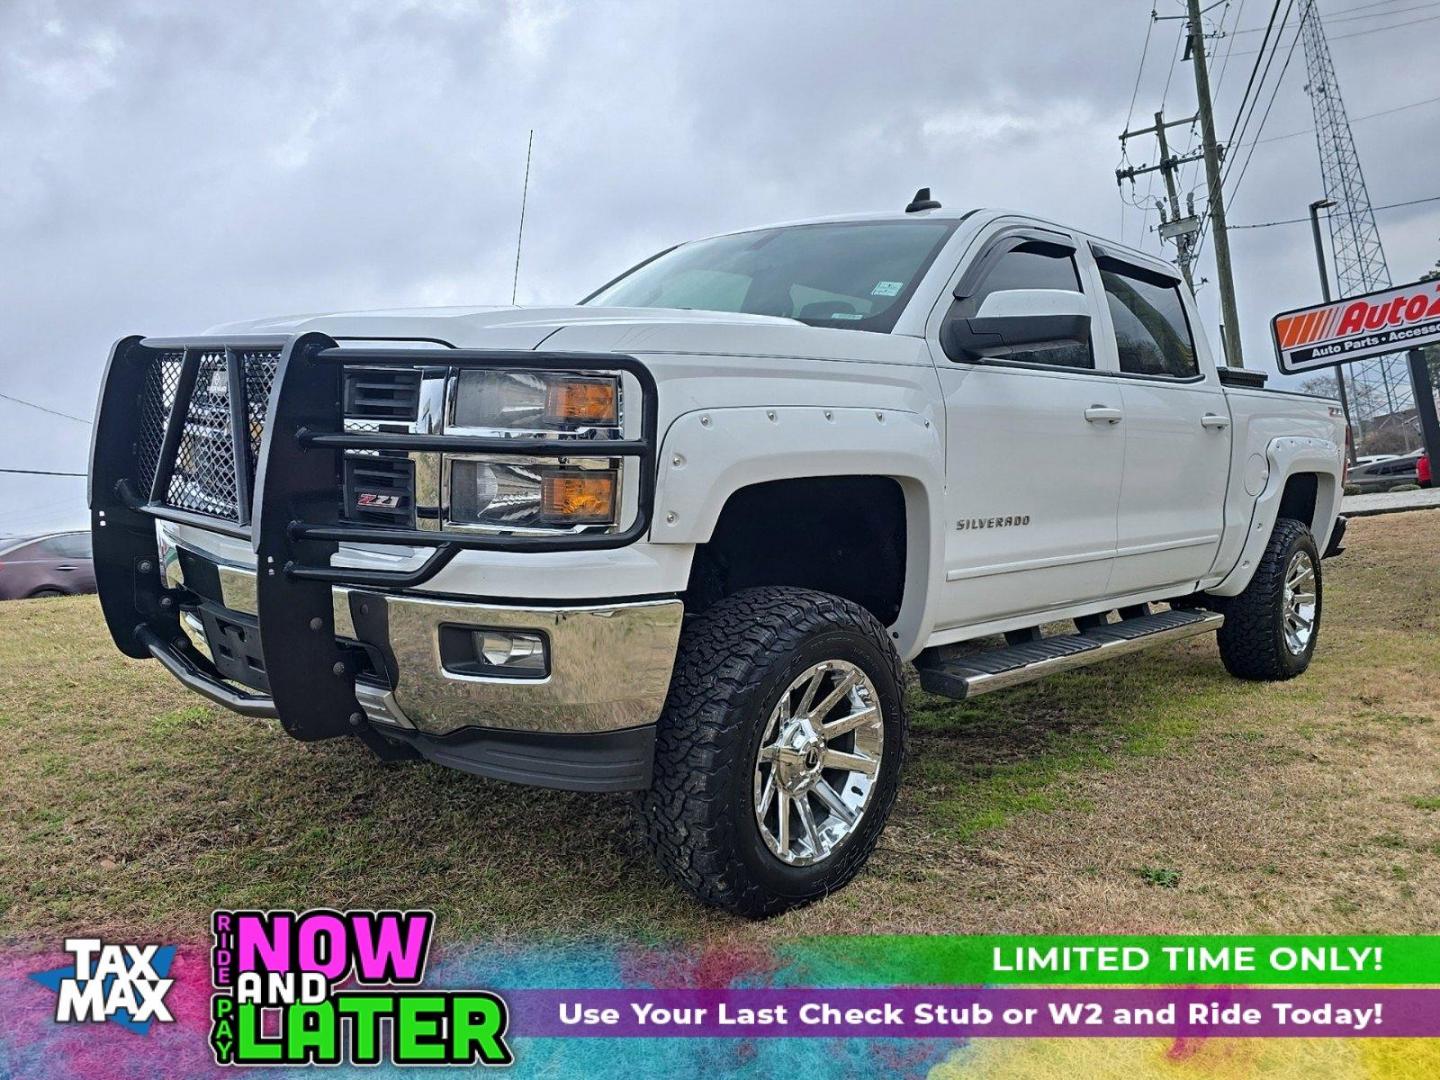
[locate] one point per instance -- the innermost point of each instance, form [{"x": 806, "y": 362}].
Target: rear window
[{"x": 855, "y": 275}]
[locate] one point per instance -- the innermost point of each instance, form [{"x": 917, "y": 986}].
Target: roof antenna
[
  {"x": 524, "y": 197},
  {"x": 922, "y": 201}
]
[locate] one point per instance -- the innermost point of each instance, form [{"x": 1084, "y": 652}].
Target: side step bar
[{"x": 964, "y": 675}]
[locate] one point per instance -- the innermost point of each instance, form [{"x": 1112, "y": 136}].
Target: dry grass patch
[{"x": 1153, "y": 795}]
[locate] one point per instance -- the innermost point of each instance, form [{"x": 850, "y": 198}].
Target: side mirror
[{"x": 1018, "y": 318}]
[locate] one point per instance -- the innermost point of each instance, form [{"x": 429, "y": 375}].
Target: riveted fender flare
[
  {"x": 709, "y": 454},
  {"x": 1287, "y": 457}
]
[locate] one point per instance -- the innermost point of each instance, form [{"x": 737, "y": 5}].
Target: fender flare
[
  {"x": 707, "y": 455},
  {"x": 1287, "y": 457}
]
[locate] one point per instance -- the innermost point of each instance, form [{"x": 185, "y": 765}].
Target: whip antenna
[{"x": 524, "y": 197}]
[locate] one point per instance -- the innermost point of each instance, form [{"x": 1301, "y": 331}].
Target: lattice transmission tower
[{"x": 1380, "y": 390}]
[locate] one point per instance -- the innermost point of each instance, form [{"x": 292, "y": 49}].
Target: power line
[
  {"x": 1353, "y": 120},
  {"x": 45, "y": 409},
  {"x": 1372, "y": 30},
  {"x": 1150, "y": 183},
  {"x": 1378, "y": 29},
  {"x": 1229, "y": 48},
  {"x": 1363, "y": 7},
  {"x": 1242, "y": 128},
  {"x": 1352, "y": 18},
  {"x": 1174, "y": 60},
  {"x": 1254, "y": 102},
  {"x": 1144, "y": 51},
  {"x": 1306, "y": 220},
  {"x": 1268, "y": 106},
  {"x": 1254, "y": 71},
  {"x": 1134, "y": 95},
  {"x": 42, "y": 472}
]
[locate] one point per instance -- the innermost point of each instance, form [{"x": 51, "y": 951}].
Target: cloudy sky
[{"x": 165, "y": 166}]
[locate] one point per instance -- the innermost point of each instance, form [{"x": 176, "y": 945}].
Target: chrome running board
[{"x": 964, "y": 675}]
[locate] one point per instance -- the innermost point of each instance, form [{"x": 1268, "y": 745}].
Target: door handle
[
  {"x": 64, "y": 568},
  {"x": 1214, "y": 421},
  {"x": 1096, "y": 414}
]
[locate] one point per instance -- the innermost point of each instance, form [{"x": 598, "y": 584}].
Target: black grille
[
  {"x": 204, "y": 479},
  {"x": 378, "y": 394},
  {"x": 380, "y": 489}
]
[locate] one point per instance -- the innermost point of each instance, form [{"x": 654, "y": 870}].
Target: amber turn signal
[
  {"x": 575, "y": 400},
  {"x": 578, "y": 497}
]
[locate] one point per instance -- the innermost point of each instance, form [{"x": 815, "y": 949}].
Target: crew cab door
[
  {"x": 1176, "y": 422},
  {"x": 1032, "y": 456}
]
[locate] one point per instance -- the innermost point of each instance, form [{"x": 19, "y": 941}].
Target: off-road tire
[
  {"x": 735, "y": 660},
  {"x": 1252, "y": 639}
]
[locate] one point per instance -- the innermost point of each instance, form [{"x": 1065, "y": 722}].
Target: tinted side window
[
  {"x": 74, "y": 545},
  {"x": 1034, "y": 266},
  {"x": 1031, "y": 266},
  {"x": 1151, "y": 330}
]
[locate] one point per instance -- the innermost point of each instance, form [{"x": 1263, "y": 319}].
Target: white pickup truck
[{"x": 680, "y": 538}]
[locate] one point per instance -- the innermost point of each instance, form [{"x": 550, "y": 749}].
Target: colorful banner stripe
[{"x": 996, "y": 1013}]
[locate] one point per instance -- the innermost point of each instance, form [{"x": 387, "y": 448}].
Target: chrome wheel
[
  {"x": 818, "y": 760},
  {"x": 1300, "y": 602}
]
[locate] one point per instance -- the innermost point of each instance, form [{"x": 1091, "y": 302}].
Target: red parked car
[
  {"x": 1422, "y": 471},
  {"x": 53, "y": 565}
]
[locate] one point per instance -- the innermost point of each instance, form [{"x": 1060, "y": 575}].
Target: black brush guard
[{"x": 294, "y": 520}]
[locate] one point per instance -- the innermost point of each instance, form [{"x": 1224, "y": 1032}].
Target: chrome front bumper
[{"x": 610, "y": 663}]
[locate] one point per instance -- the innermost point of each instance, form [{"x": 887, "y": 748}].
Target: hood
[
  {"x": 581, "y": 328},
  {"x": 483, "y": 327}
]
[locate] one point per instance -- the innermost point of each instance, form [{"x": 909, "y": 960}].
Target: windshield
[{"x": 854, "y": 274}]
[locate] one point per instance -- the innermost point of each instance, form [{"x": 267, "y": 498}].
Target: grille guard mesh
[
  {"x": 196, "y": 432},
  {"x": 170, "y": 409}
]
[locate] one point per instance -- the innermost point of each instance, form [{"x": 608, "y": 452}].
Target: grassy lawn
[{"x": 1151, "y": 794}]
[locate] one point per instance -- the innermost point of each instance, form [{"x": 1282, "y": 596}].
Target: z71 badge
[{"x": 368, "y": 500}]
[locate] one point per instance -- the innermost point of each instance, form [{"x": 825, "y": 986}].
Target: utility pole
[
  {"x": 1230, "y": 320},
  {"x": 1315, "y": 208},
  {"x": 1183, "y": 230}
]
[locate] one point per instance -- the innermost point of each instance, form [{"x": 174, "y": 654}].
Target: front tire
[
  {"x": 1271, "y": 628},
  {"x": 778, "y": 753}
]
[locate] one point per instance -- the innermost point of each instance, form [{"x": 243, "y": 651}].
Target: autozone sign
[{"x": 1370, "y": 325}]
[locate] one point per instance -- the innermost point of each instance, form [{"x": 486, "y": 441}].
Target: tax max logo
[{"x": 123, "y": 983}]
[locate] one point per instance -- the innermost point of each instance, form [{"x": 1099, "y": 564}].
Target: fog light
[
  {"x": 520, "y": 652},
  {"x": 505, "y": 654}
]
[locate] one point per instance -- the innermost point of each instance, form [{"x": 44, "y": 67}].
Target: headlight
[
  {"x": 535, "y": 401},
  {"x": 505, "y": 492}
]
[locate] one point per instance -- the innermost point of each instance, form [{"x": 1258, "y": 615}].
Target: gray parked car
[
  {"x": 54, "y": 565},
  {"x": 1384, "y": 473}
]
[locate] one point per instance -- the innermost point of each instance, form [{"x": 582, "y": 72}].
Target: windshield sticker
[
  {"x": 887, "y": 288},
  {"x": 846, "y": 315}
]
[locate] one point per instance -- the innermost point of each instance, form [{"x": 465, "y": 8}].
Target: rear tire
[
  {"x": 1271, "y": 628},
  {"x": 746, "y": 735},
  {"x": 46, "y": 593}
]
